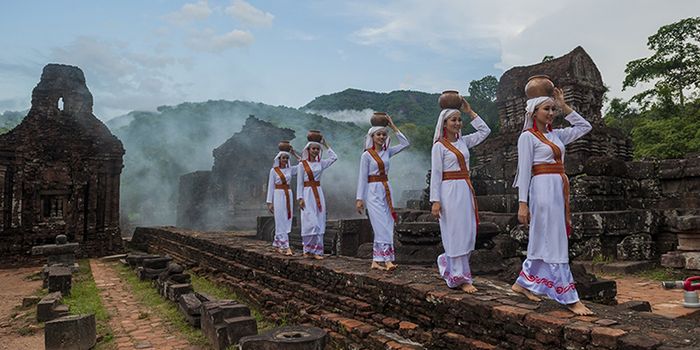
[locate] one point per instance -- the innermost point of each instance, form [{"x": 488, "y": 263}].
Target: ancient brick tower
[{"x": 59, "y": 171}]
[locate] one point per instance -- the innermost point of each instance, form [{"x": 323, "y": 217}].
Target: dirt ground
[
  {"x": 666, "y": 302},
  {"x": 18, "y": 328}
]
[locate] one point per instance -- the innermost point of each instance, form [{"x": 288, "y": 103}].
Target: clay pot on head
[
  {"x": 450, "y": 99},
  {"x": 314, "y": 135},
  {"x": 539, "y": 85},
  {"x": 379, "y": 119},
  {"x": 284, "y": 146}
]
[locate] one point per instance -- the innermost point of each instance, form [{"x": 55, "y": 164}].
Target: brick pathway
[{"x": 131, "y": 329}]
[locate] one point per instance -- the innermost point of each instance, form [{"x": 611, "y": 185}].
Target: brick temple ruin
[
  {"x": 60, "y": 171},
  {"x": 622, "y": 210},
  {"x": 232, "y": 194}
]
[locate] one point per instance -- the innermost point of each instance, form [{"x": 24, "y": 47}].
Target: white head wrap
[
  {"x": 276, "y": 162},
  {"x": 530, "y": 106},
  {"x": 444, "y": 114},
  {"x": 305, "y": 152},
  {"x": 369, "y": 143}
]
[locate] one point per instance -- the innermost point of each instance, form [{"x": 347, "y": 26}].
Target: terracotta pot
[
  {"x": 314, "y": 135},
  {"x": 450, "y": 99},
  {"x": 539, "y": 85},
  {"x": 284, "y": 146},
  {"x": 379, "y": 119}
]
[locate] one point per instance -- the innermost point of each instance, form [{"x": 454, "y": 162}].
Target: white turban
[
  {"x": 444, "y": 114},
  {"x": 305, "y": 152},
  {"x": 369, "y": 143},
  {"x": 276, "y": 162},
  {"x": 530, "y": 106}
]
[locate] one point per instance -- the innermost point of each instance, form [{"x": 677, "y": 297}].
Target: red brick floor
[{"x": 133, "y": 325}]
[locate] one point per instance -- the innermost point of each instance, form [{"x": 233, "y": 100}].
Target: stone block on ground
[
  {"x": 136, "y": 259},
  {"x": 589, "y": 287},
  {"x": 157, "y": 263},
  {"x": 239, "y": 327},
  {"x": 174, "y": 291},
  {"x": 48, "y": 307},
  {"x": 59, "y": 279},
  {"x": 145, "y": 273},
  {"x": 29, "y": 301},
  {"x": 74, "y": 332},
  {"x": 292, "y": 337},
  {"x": 221, "y": 320},
  {"x": 190, "y": 307},
  {"x": 673, "y": 259},
  {"x": 190, "y": 303}
]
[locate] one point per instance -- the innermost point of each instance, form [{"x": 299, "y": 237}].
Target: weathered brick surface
[{"x": 409, "y": 308}]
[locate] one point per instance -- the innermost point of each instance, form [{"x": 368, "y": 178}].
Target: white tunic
[
  {"x": 313, "y": 222},
  {"x": 283, "y": 222},
  {"x": 457, "y": 219},
  {"x": 548, "y": 239},
  {"x": 374, "y": 195}
]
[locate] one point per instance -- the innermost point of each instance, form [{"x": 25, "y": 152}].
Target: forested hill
[
  {"x": 405, "y": 106},
  {"x": 416, "y": 107}
]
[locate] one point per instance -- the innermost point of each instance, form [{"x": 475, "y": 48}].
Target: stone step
[{"x": 616, "y": 267}]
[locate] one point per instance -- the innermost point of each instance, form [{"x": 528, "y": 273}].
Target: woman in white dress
[
  {"x": 452, "y": 194},
  {"x": 373, "y": 189},
  {"x": 310, "y": 196},
  {"x": 542, "y": 183},
  {"x": 280, "y": 199}
]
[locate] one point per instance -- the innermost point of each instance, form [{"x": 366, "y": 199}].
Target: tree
[
  {"x": 547, "y": 58},
  {"x": 674, "y": 66},
  {"x": 484, "y": 89}
]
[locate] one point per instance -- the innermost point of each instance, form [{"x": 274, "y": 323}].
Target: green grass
[
  {"x": 601, "y": 259},
  {"x": 85, "y": 299},
  {"x": 146, "y": 294},
  {"x": 662, "y": 274},
  {"x": 203, "y": 285}
]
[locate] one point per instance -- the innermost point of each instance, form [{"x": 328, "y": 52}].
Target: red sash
[
  {"x": 284, "y": 186},
  {"x": 382, "y": 177},
  {"x": 312, "y": 183},
  {"x": 462, "y": 174},
  {"x": 556, "y": 168}
]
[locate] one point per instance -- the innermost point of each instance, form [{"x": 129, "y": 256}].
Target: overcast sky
[{"x": 143, "y": 54}]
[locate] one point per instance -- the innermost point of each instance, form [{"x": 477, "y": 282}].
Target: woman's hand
[
  {"x": 391, "y": 124},
  {"x": 523, "y": 213},
  {"x": 294, "y": 153},
  {"x": 302, "y": 205},
  {"x": 360, "y": 206},
  {"x": 467, "y": 109},
  {"x": 270, "y": 208},
  {"x": 325, "y": 143},
  {"x": 435, "y": 210},
  {"x": 559, "y": 100}
]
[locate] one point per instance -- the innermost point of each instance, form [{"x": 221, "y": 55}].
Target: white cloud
[
  {"x": 249, "y": 14},
  {"x": 301, "y": 36},
  {"x": 446, "y": 26},
  {"x": 120, "y": 78},
  {"x": 521, "y": 33},
  {"x": 190, "y": 12},
  {"x": 208, "y": 40}
]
